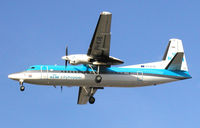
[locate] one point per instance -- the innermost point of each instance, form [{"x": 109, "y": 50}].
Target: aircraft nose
[{"x": 14, "y": 76}]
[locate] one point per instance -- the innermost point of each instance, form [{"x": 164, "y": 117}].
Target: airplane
[{"x": 93, "y": 71}]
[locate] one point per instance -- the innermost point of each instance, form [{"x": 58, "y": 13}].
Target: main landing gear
[
  {"x": 98, "y": 77},
  {"x": 91, "y": 100},
  {"x": 98, "y": 80},
  {"x": 22, "y": 88},
  {"x": 90, "y": 91}
]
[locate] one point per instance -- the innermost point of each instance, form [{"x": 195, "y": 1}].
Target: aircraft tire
[
  {"x": 22, "y": 88},
  {"x": 91, "y": 100},
  {"x": 98, "y": 79}
]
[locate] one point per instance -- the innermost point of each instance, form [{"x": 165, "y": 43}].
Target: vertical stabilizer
[{"x": 175, "y": 46}]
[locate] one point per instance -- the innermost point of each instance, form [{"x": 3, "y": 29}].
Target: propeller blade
[
  {"x": 65, "y": 63},
  {"x": 66, "y": 51},
  {"x": 66, "y": 54}
]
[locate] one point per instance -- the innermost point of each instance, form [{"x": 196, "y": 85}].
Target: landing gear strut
[{"x": 22, "y": 88}]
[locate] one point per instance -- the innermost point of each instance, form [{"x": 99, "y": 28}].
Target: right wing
[{"x": 85, "y": 93}]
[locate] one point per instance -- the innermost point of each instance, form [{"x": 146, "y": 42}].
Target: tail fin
[{"x": 175, "y": 56}]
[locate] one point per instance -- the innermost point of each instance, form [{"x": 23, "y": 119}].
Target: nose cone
[
  {"x": 14, "y": 76},
  {"x": 65, "y": 58}
]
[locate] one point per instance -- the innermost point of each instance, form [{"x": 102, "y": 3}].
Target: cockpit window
[{"x": 32, "y": 67}]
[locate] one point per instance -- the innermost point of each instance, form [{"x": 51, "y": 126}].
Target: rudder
[{"x": 174, "y": 48}]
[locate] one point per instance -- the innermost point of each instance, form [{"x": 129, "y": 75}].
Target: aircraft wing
[
  {"x": 84, "y": 94},
  {"x": 100, "y": 45}
]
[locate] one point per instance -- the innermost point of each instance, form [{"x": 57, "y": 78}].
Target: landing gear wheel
[
  {"x": 91, "y": 100},
  {"x": 98, "y": 79},
  {"x": 22, "y": 88}
]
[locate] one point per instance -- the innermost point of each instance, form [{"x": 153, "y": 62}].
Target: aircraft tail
[
  {"x": 174, "y": 56},
  {"x": 173, "y": 59}
]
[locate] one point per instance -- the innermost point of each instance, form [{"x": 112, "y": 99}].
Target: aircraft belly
[
  {"x": 108, "y": 80},
  {"x": 132, "y": 80}
]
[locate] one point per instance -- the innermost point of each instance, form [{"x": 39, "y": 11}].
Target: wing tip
[{"x": 106, "y": 13}]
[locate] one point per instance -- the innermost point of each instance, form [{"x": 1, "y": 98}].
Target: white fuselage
[{"x": 88, "y": 79}]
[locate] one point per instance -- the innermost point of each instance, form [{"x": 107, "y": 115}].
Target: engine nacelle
[{"x": 76, "y": 59}]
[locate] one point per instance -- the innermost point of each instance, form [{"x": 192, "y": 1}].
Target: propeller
[{"x": 66, "y": 54}]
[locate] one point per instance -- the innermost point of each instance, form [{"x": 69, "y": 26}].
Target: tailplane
[
  {"x": 174, "y": 56},
  {"x": 173, "y": 59}
]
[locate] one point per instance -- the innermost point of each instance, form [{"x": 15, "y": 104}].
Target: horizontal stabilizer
[{"x": 176, "y": 62}]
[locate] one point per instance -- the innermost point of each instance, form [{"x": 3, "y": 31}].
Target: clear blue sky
[{"x": 37, "y": 32}]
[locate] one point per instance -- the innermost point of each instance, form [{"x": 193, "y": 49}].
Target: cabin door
[
  {"x": 139, "y": 75},
  {"x": 44, "y": 72}
]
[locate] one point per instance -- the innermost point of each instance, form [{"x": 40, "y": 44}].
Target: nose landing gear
[{"x": 22, "y": 88}]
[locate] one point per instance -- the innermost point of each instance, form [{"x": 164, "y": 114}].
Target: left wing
[
  {"x": 85, "y": 93},
  {"x": 100, "y": 44},
  {"x": 99, "y": 49}
]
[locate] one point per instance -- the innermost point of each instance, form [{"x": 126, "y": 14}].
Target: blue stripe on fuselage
[{"x": 112, "y": 69}]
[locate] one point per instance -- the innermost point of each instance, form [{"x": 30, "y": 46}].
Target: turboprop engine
[{"x": 76, "y": 59}]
